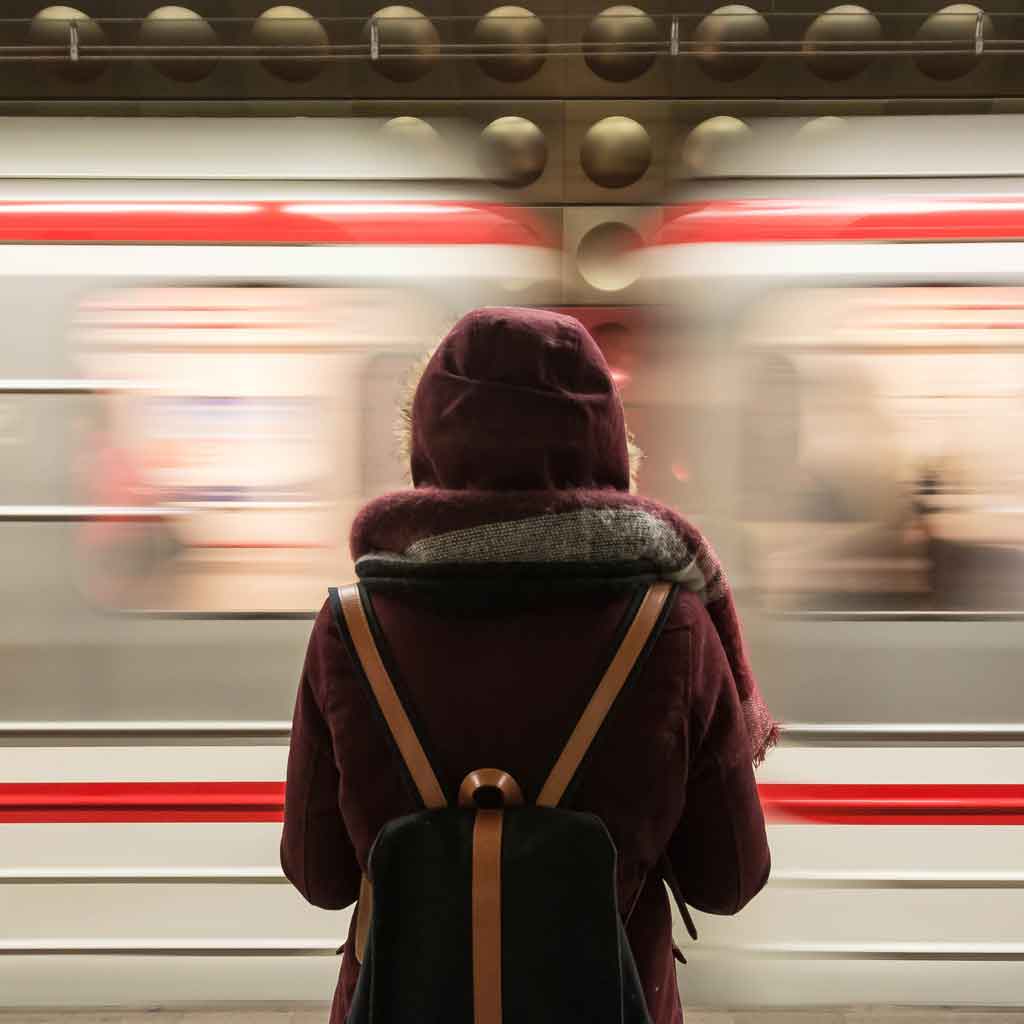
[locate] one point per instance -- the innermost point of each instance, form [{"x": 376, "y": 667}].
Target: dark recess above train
[{"x": 474, "y": 50}]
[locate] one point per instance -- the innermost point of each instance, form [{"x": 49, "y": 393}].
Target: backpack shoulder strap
[
  {"x": 382, "y": 691},
  {"x": 648, "y": 616}
]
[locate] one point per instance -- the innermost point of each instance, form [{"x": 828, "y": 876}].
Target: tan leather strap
[
  {"x": 486, "y": 896},
  {"x": 398, "y": 723},
  {"x": 395, "y": 715},
  {"x": 364, "y": 915},
  {"x": 487, "y": 831},
  {"x": 604, "y": 696}
]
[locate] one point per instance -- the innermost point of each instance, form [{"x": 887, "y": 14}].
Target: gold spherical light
[
  {"x": 52, "y": 27},
  {"x": 187, "y": 33},
  {"x": 412, "y": 140},
  {"x": 821, "y": 130},
  {"x": 412, "y": 130},
  {"x": 498, "y": 31},
  {"x": 848, "y": 26},
  {"x": 280, "y": 27},
  {"x": 724, "y": 30},
  {"x": 953, "y": 27},
  {"x": 513, "y": 152},
  {"x": 710, "y": 141},
  {"x": 605, "y": 256},
  {"x": 616, "y": 152},
  {"x": 617, "y": 44},
  {"x": 409, "y": 43}
]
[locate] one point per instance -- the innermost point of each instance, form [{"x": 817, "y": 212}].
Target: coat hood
[{"x": 518, "y": 400}]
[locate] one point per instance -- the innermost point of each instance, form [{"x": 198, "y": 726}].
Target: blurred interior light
[
  {"x": 89, "y": 207},
  {"x": 365, "y": 209},
  {"x": 877, "y": 204},
  {"x": 680, "y": 472}
]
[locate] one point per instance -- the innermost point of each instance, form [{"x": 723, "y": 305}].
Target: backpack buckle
[{"x": 481, "y": 788}]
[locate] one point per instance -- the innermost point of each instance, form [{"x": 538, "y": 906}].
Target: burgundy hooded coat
[{"x": 499, "y": 582}]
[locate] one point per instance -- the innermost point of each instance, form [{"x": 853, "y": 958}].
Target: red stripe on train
[
  {"x": 262, "y": 801},
  {"x": 141, "y": 801},
  {"x": 894, "y": 804},
  {"x": 871, "y": 219},
  {"x": 349, "y": 222}
]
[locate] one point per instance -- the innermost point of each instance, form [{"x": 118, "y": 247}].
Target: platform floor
[{"x": 318, "y": 1015}]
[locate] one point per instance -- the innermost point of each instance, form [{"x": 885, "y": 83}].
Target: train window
[
  {"x": 228, "y": 434},
  {"x": 878, "y": 457}
]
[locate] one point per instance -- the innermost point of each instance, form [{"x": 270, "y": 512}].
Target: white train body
[{"x": 204, "y": 282}]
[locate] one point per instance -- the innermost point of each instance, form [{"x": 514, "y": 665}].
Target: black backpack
[{"x": 493, "y": 911}]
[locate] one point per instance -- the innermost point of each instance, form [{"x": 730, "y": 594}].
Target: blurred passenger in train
[
  {"x": 119, "y": 558},
  {"x": 499, "y": 582},
  {"x": 974, "y": 535}
]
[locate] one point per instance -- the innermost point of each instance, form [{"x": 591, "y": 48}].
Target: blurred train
[
  {"x": 209, "y": 322},
  {"x": 848, "y": 402}
]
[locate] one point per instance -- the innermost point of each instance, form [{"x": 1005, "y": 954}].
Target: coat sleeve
[
  {"x": 317, "y": 855},
  {"x": 718, "y": 853}
]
